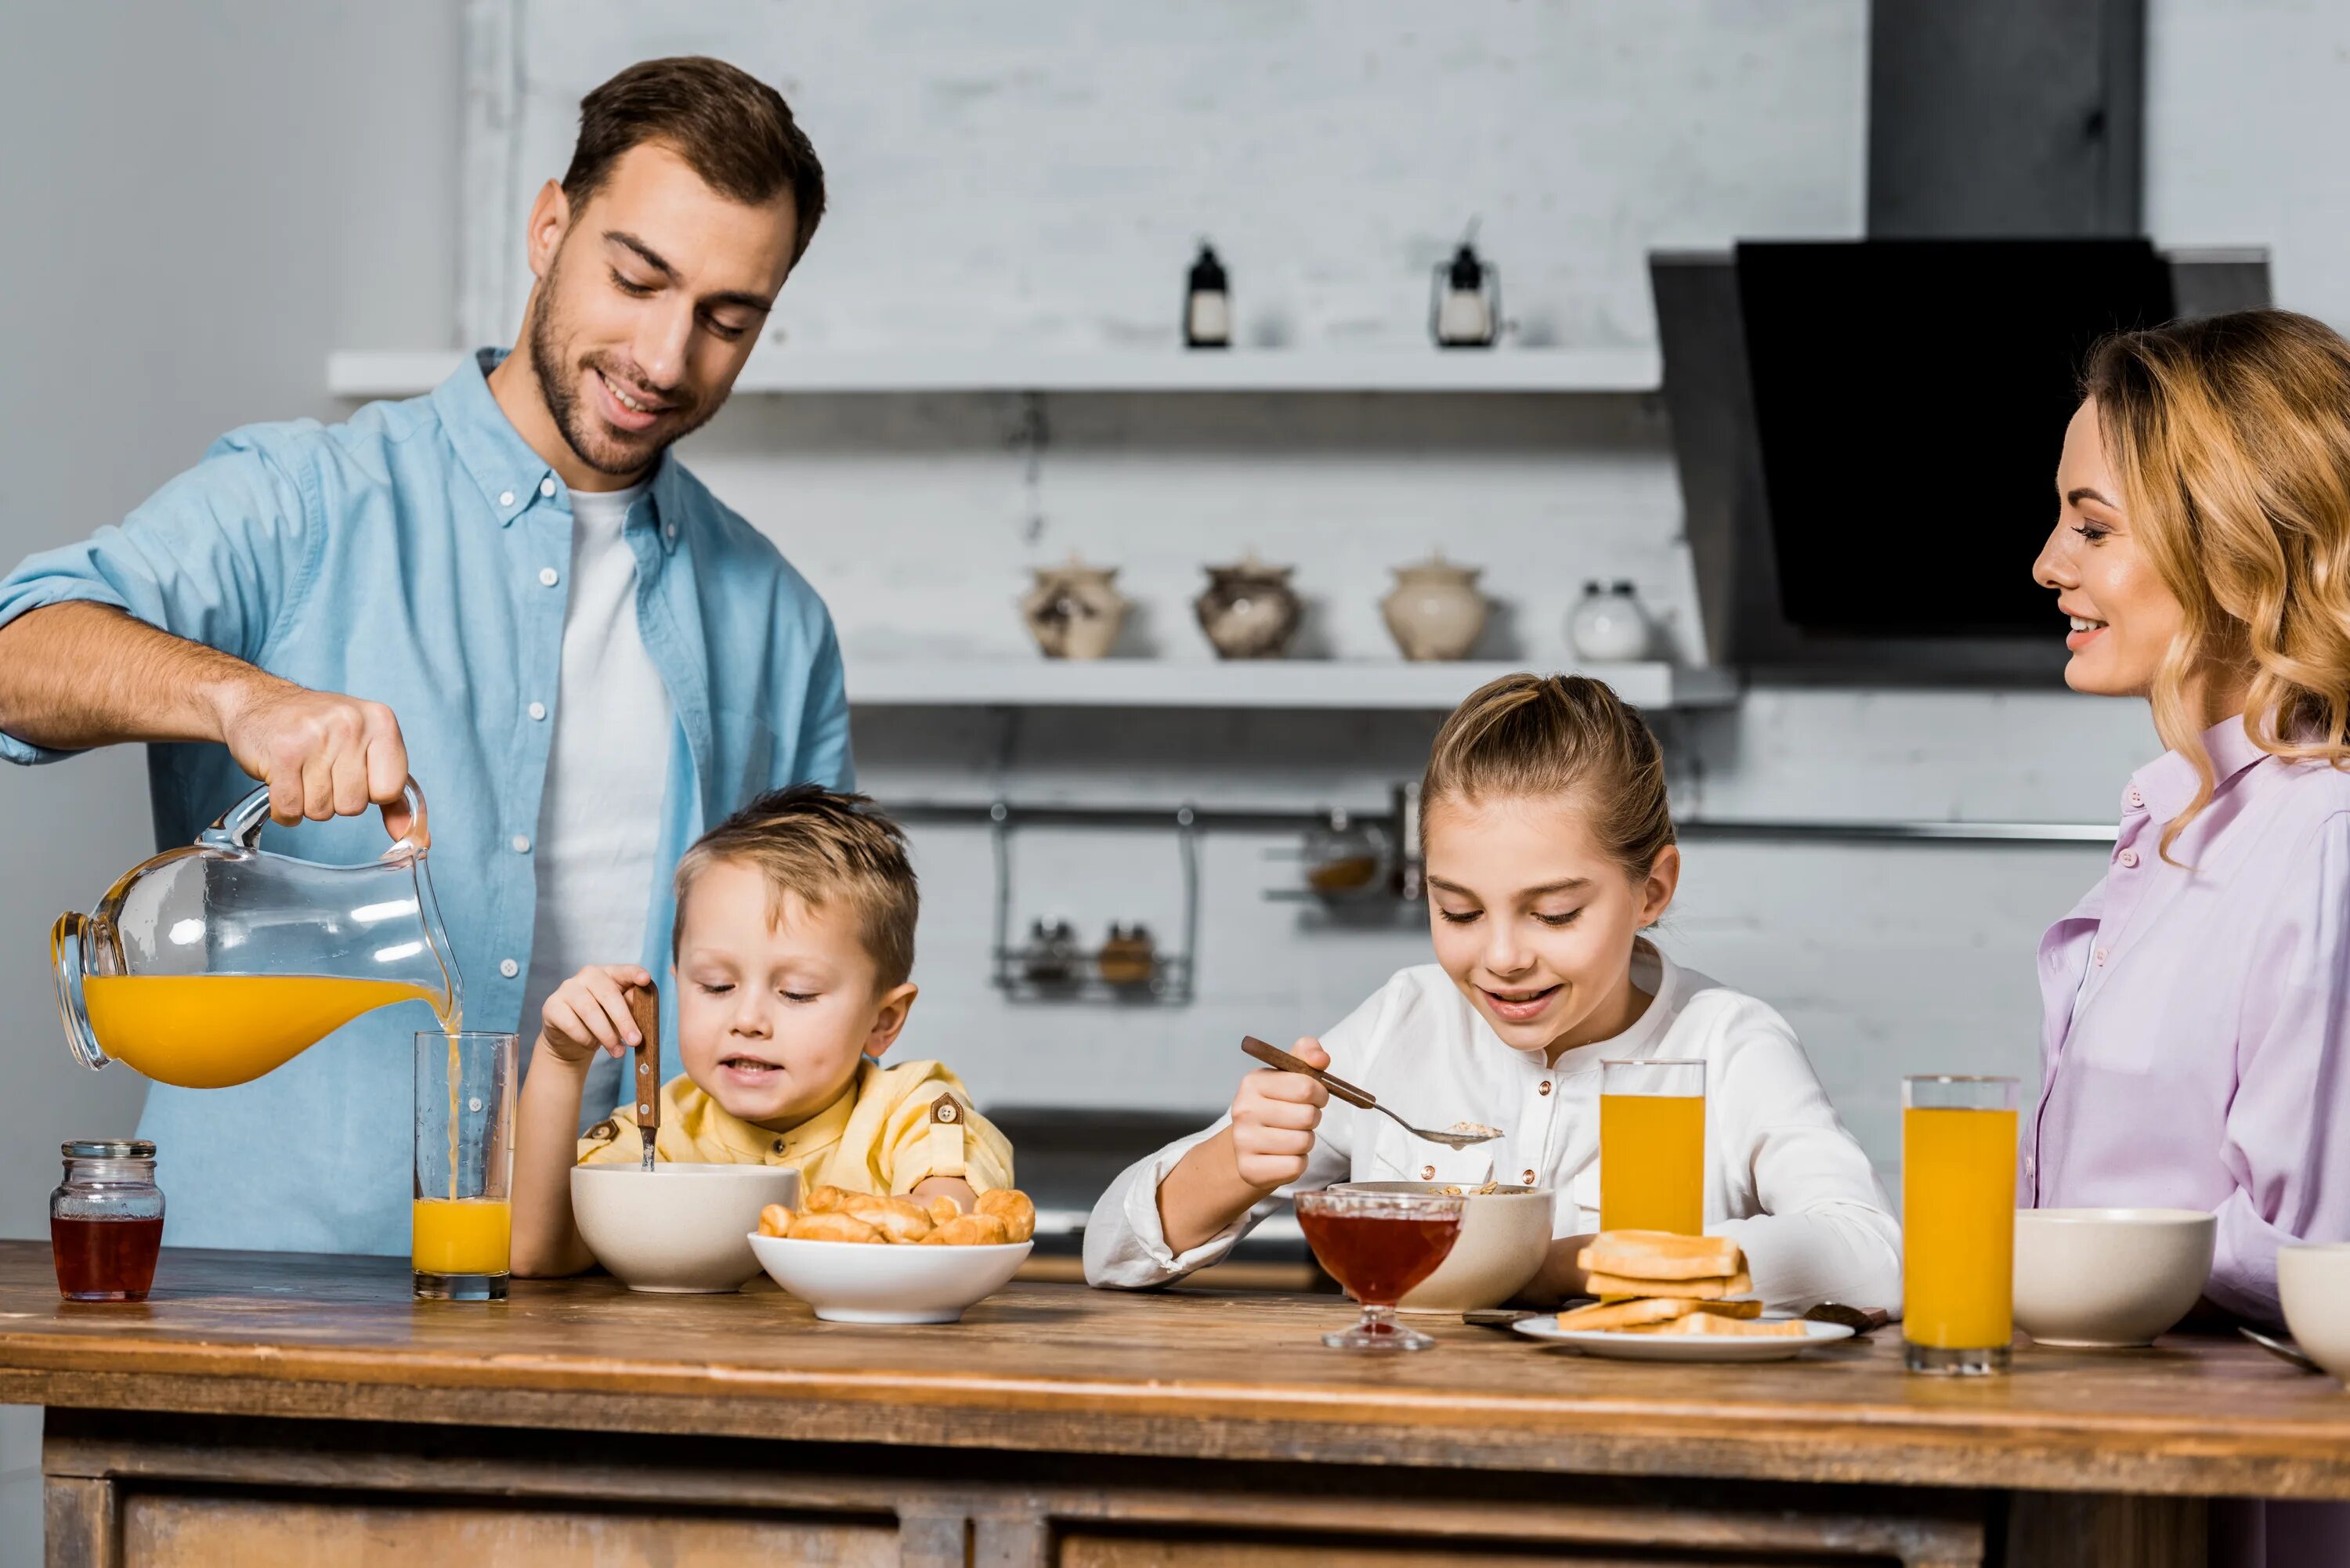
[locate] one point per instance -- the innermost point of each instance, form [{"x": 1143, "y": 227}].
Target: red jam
[
  {"x": 1377, "y": 1257},
  {"x": 105, "y": 1259}
]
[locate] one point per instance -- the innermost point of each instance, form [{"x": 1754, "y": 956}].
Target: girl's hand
[
  {"x": 1274, "y": 1118},
  {"x": 589, "y": 1011}
]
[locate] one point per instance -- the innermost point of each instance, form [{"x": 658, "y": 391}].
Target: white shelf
[
  {"x": 1300, "y": 683},
  {"x": 399, "y": 374}
]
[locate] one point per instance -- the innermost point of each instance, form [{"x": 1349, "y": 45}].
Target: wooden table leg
[
  {"x": 2094, "y": 1529},
  {"x": 80, "y": 1521}
]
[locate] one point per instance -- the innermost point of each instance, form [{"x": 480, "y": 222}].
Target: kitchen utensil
[
  {"x": 1617, "y": 1346},
  {"x": 854, "y": 1282},
  {"x": 2283, "y": 1349},
  {"x": 644, "y": 1010},
  {"x": 1860, "y": 1320},
  {"x": 2108, "y": 1277},
  {"x": 1496, "y": 1317},
  {"x": 679, "y": 1229},
  {"x": 2314, "y": 1285},
  {"x": 1504, "y": 1237},
  {"x": 1249, "y": 610},
  {"x": 1275, "y": 1056},
  {"x": 212, "y": 964},
  {"x": 1378, "y": 1245},
  {"x": 1434, "y": 611},
  {"x": 462, "y": 1214}
]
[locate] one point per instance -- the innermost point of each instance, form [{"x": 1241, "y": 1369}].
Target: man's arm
[{"x": 77, "y": 675}]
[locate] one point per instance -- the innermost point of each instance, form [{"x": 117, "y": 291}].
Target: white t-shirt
[
  {"x": 1783, "y": 1176},
  {"x": 599, "y": 817}
]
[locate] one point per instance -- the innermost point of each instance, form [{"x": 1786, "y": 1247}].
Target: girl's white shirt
[{"x": 1783, "y": 1176}]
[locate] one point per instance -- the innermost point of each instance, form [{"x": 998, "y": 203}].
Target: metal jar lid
[{"x": 109, "y": 1148}]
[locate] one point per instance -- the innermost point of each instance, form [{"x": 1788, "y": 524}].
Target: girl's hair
[
  {"x": 1553, "y": 735},
  {"x": 2230, "y": 438}
]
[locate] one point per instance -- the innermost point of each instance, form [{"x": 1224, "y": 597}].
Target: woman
[{"x": 2196, "y": 1022}]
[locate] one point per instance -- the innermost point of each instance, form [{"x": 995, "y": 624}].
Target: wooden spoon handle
[
  {"x": 644, "y": 1007},
  {"x": 1275, "y": 1056}
]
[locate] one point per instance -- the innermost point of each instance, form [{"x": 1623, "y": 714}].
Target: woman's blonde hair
[
  {"x": 2230, "y": 438},
  {"x": 1555, "y": 735}
]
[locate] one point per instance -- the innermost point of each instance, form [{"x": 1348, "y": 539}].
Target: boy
[{"x": 793, "y": 940}]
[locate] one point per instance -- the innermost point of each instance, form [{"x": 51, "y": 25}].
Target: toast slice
[
  {"x": 1662, "y": 1255},
  {"x": 1605, "y": 1284},
  {"x": 1625, "y": 1314},
  {"x": 1714, "y": 1323}
]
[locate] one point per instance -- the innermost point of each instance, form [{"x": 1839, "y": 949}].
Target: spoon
[
  {"x": 2284, "y": 1350},
  {"x": 1275, "y": 1056}
]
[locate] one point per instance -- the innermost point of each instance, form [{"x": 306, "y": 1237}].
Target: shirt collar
[
  {"x": 1652, "y": 972},
  {"x": 506, "y": 467},
  {"x": 751, "y": 1144},
  {"x": 2163, "y": 787}
]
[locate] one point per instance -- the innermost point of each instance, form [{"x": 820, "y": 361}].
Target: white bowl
[
  {"x": 2108, "y": 1277},
  {"x": 677, "y": 1229},
  {"x": 867, "y": 1281},
  {"x": 1504, "y": 1237},
  {"x": 2314, "y": 1281}
]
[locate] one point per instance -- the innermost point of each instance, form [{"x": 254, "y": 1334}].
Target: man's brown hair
[
  {"x": 733, "y": 129},
  {"x": 821, "y": 846}
]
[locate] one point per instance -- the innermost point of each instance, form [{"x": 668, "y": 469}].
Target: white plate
[{"x": 1683, "y": 1346}]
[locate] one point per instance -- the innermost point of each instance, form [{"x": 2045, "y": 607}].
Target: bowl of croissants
[{"x": 864, "y": 1257}]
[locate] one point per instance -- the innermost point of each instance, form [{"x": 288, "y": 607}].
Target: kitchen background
[{"x": 204, "y": 206}]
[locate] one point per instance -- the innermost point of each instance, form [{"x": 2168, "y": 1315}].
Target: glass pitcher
[{"x": 213, "y": 964}]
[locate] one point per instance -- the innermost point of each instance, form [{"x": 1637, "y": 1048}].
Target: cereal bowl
[
  {"x": 860, "y": 1282},
  {"x": 2108, "y": 1278},
  {"x": 2314, "y": 1281},
  {"x": 677, "y": 1229},
  {"x": 1504, "y": 1237}
]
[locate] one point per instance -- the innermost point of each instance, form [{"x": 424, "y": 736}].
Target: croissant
[
  {"x": 898, "y": 1219},
  {"x": 775, "y": 1219},
  {"x": 969, "y": 1230},
  {"x": 1012, "y": 1207},
  {"x": 833, "y": 1228}
]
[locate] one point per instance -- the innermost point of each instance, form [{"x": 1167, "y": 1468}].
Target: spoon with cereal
[{"x": 1464, "y": 1135}]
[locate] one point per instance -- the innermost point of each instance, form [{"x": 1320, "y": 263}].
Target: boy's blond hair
[{"x": 820, "y": 846}]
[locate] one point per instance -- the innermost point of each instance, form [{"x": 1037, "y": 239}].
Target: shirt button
[
  {"x": 671, "y": 531},
  {"x": 1530, "y": 1180},
  {"x": 539, "y": 709},
  {"x": 1428, "y": 1173},
  {"x": 2128, "y": 857},
  {"x": 508, "y": 968},
  {"x": 546, "y": 487},
  {"x": 521, "y": 844},
  {"x": 548, "y": 576},
  {"x": 2136, "y": 799},
  {"x": 506, "y": 498},
  {"x": 2030, "y": 1166},
  {"x": 2100, "y": 958},
  {"x": 1545, "y": 1087},
  {"x": 779, "y": 1145}
]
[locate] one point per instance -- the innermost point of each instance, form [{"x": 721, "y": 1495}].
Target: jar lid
[{"x": 109, "y": 1148}]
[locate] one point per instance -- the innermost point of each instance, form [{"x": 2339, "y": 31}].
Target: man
[{"x": 505, "y": 588}]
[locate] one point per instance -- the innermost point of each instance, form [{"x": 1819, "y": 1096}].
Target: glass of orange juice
[
  {"x": 1652, "y": 1145},
  {"x": 462, "y": 1215},
  {"x": 1957, "y": 1224}
]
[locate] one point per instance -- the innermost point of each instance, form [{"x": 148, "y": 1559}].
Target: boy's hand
[
  {"x": 589, "y": 1012},
  {"x": 1274, "y": 1118}
]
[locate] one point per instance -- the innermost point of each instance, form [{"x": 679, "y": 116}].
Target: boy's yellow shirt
[{"x": 887, "y": 1133}]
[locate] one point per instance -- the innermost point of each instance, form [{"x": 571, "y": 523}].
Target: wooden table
[{"x": 271, "y": 1409}]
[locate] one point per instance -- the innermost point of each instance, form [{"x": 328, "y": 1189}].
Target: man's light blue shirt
[{"x": 419, "y": 556}]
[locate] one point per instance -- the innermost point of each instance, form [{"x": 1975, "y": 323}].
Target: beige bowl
[
  {"x": 678, "y": 1229},
  {"x": 2314, "y": 1281},
  {"x": 2108, "y": 1277},
  {"x": 1504, "y": 1236}
]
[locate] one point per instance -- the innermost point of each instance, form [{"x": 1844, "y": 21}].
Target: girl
[
  {"x": 1548, "y": 848},
  {"x": 2197, "y": 1003}
]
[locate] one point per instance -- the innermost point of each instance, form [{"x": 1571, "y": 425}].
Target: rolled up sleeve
[
  {"x": 2290, "y": 1113},
  {"x": 218, "y": 555}
]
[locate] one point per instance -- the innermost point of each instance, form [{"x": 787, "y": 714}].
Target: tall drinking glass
[
  {"x": 1378, "y": 1245},
  {"x": 1652, "y": 1145},
  {"x": 463, "y": 1216},
  {"x": 1957, "y": 1224}
]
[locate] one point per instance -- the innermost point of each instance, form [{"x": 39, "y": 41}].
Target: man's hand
[
  {"x": 1274, "y": 1118},
  {"x": 322, "y": 754},
  {"x": 589, "y": 1012}
]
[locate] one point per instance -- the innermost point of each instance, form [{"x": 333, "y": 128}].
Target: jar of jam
[{"x": 106, "y": 1220}]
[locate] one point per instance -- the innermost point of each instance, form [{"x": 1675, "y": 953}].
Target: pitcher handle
[
  {"x": 239, "y": 827},
  {"x": 65, "y": 958}
]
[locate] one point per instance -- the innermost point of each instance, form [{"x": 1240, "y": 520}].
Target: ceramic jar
[
  {"x": 1609, "y": 627},
  {"x": 1074, "y": 611},
  {"x": 1128, "y": 958},
  {"x": 1435, "y": 611},
  {"x": 1249, "y": 610}
]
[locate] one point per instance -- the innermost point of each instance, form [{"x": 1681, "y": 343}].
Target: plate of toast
[{"x": 1665, "y": 1297}]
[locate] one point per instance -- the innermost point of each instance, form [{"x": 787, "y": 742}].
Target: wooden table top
[{"x": 1198, "y": 1375}]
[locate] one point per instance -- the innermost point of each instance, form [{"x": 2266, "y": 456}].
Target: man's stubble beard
[{"x": 550, "y": 365}]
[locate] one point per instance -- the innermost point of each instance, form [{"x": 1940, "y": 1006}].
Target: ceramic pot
[
  {"x": 1129, "y": 958},
  {"x": 1074, "y": 611},
  {"x": 1249, "y": 610},
  {"x": 1435, "y": 611},
  {"x": 1609, "y": 627}
]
